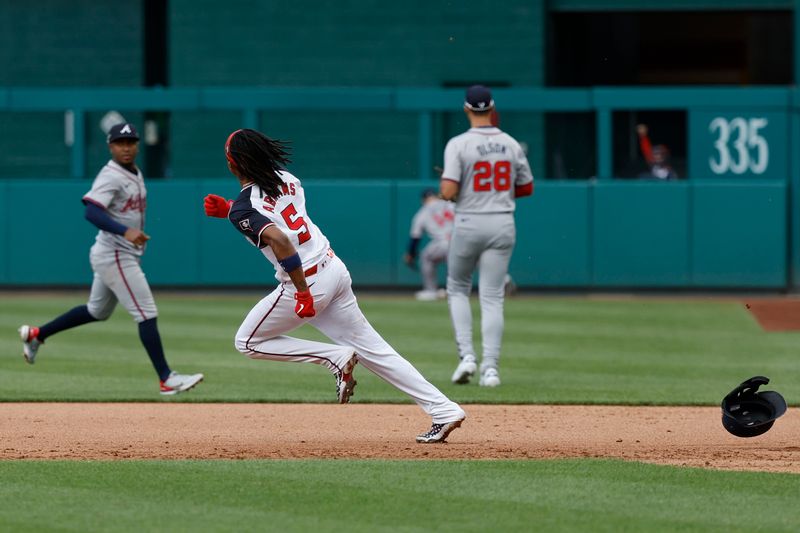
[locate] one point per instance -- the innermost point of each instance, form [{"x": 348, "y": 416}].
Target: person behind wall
[{"x": 657, "y": 157}]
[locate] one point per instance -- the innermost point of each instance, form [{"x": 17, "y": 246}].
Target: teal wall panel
[
  {"x": 225, "y": 257},
  {"x": 569, "y": 234},
  {"x": 347, "y": 144},
  {"x": 32, "y": 145},
  {"x": 48, "y": 238},
  {"x": 739, "y": 234},
  {"x": 357, "y": 219},
  {"x": 364, "y": 42},
  {"x": 5, "y": 252},
  {"x": 553, "y": 240},
  {"x": 203, "y": 156},
  {"x": 173, "y": 250},
  {"x": 641, "y": 232},
  {"x": 76, "y": 43},
  {"x": 80, "y": 43},
  {"x": 667, "y": 5}
]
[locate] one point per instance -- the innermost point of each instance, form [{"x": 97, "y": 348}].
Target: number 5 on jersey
[
  {"x": 296, "y": 222},
  {"x": 487, "y": 175}
]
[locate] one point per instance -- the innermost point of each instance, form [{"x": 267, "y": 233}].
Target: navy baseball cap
[
  {"x": 125, "y": 130},
  {"x": 479, "y": 98},
  {"x": 429, "y": 192}
]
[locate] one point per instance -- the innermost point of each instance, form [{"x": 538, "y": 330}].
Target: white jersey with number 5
[
  {"x": 253, "y": 212},
  {"x": 487, "y": 164}
]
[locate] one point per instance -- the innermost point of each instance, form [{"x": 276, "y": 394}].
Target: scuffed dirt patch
[
  {"x": 687, "y": 436},
  {"x": 775, "y": 314}
]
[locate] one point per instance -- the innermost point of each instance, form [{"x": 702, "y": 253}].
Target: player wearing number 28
[
  {"x": 485, "y": 170},
  {"x": 314, "y": 285}
]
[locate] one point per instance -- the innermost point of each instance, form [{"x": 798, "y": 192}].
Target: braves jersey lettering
[
  {"x": 136, "y": 203},
  {"x": 124, "y": 197},
  {"x": 253, "y": 211},
  {"x": 487, "y": 164},
  {"x": 434, "y": 219},
  {"x": 446, "y": 217}
]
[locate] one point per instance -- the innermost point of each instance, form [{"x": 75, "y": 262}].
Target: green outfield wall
[
  {"x": 704, "y": 234},
  {"x": 244, "y": 44},
  {"x": 369, "y": 92}
]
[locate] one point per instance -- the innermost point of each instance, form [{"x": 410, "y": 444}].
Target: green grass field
[
  {"x": 371, "y": 496},
  {"x": 556, "y": 350}
]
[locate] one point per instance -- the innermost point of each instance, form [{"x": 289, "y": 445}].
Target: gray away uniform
[
  {"x": 115, "y": 261},
  {"x": 488, "y": 165},
  {"x": 436, "y": 220}
]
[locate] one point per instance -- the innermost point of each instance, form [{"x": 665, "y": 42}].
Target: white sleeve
[
  {"x": 418, "y": 224},
  {"x": 452, "y": 162},
  {"x": 522, "y": 167},
  {"x": 104, "y": 188}
]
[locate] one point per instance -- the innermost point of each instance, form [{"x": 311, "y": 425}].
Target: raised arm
[{"x": 644, "y": 143}]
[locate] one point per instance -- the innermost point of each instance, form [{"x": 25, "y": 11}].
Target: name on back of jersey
[
  {"x": 286, "y": 189},
  {"x": 491, "y": 148}
]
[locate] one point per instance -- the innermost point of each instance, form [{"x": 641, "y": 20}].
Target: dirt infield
[
  {"x": 688, "y": 436},
  {"x": 776, "y": 314}
]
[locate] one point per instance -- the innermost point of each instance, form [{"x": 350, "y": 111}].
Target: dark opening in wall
[
  {"x": 670, "y": 48},
  {"x": 665, "y": 131},
  {"x": 155, "y": 130}
]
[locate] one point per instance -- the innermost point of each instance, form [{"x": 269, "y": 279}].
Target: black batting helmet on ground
[{"x": 749, "y": 413}]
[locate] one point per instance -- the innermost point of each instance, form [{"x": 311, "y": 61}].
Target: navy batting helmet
[{"x": 749, "y": 413}]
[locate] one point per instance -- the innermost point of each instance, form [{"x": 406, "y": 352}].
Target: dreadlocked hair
[{"x": 259, "y": 159}]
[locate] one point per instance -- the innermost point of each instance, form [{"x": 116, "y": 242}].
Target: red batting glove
[
  {"x": 305, "y": 304},
  {"x": 217, "y": 206}
]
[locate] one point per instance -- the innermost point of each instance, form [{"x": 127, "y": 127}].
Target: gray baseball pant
[
  {"x": 434, "y": 253},
  {"x": 118, "y": 277},
  {"x": 485, "y": 241}
]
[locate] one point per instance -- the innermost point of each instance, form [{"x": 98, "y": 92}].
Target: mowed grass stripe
[
  {"x": 354, "y": 496},
  {"x": 555, "y": 350}
]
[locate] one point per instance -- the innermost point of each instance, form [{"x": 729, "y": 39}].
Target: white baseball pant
[{"x": 261, "y": 336}]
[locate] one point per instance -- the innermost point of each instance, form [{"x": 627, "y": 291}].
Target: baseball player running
[
  {"x": 434, "y": 219},
  {"x": 314, "y": 285},
  {"x": 116, "y": 204},
  {"x": 485, "y": 170}
]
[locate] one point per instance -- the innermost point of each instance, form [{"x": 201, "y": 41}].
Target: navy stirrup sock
[
  {"x": 148, "y": 332},
  {"x": 76, "y": 316}
]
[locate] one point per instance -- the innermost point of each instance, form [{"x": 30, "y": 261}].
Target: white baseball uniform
[
  {"x": 262, "y": 334},
  {"x": 488, "y": 165},
  {"x": 435, "y": 219},
  {"x": 118, "y": 275}
]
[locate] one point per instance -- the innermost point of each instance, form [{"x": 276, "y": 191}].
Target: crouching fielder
[{"x": 314, "y": 285}]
